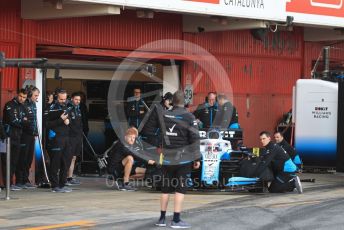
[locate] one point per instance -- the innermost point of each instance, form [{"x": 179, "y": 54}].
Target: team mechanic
[
  {"x": 14, "y": 118},
  {"x": 57, "y": 121},
  {"x": 136, "y": 109},
  {"x": 206, "y": 112},
  {"x": 75, "y": 136},
  {"x": 180, "y": 147},
  {"x": 30, "y": 131}
]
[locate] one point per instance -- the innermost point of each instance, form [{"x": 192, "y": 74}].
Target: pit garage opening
[{"x": 95, "y": 85}]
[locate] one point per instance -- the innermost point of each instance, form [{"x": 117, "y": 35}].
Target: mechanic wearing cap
[
  {"x": 227, "y": 116},
  {"x": 206, "y": 112},
  {"x": 30, "y": 131},
  {"x": 136, "y": 109},
  {"x": 166, "y": 101},
  {"x": 282, "y": 166},
  {"x": 180, "y": 149},
  {"x": 57, "y": 119},
  {"x": 279, "y": 138}
]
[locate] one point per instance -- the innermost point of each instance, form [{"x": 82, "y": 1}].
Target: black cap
[{"x": 168, "y": 96}]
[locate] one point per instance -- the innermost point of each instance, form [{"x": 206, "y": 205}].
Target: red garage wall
[
  {"x": 124, "y": 31},
  {"x": 10, "y": 44},
  {"x": 261, "y": 74}
]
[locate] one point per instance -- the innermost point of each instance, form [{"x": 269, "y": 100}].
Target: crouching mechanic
[
  {"x": 121, "y": 159},
  {"x": 282, "y": 166},
  {"x": 181, "y": 151},
  {"x": 279, "y": 138}
]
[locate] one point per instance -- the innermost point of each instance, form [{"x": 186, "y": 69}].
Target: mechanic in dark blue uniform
[
  {"x": 122, "y": 157},
  {"x": 166, "y": 101},
  {"x": 30, "y": 131},
  {"x": 180, "y": 149},
  {"x": 57, "y": 119},
  {"x": 206, "y": 112},
  {"x": 14, "y": 118},
  {"x": 282, "y": 166},
  {"x": 136, "y": 109},
  {"x": 279, "y": 138},
  {"x": 75, "y": 136}
]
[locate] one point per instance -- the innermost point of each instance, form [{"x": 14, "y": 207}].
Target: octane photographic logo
[{"x": 204, "y": 71}]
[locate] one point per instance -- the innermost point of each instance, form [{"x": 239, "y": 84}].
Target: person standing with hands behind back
[
  {"x": 181, "y": 152},
  {"x": 57, "y": 122}
]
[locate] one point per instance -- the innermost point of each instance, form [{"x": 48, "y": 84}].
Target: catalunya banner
[{"x": 312, "y": 12}]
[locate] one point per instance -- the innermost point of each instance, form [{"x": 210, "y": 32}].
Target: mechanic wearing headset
[
  {"x": 206, "y": 112},
  {"x": 57, "y": 119},
  {"x": 30, "y": 131},
  {"x": 180, "y": 149},
  {"x": 166, "y": 101}
]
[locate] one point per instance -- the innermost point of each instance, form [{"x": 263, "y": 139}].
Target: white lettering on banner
[{"x": 245, "y": 3}]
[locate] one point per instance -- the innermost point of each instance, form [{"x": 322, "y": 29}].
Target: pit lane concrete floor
[{"x": 94, "y": 206}]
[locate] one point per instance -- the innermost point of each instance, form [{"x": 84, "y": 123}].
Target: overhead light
[
  {"x": 57, "y": 4},
  {"x": 220, "y": 20},
  {"x": 145, "y": 14}
]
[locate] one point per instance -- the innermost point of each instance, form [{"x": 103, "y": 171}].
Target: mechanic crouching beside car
[{"x": 282, "y": 166}]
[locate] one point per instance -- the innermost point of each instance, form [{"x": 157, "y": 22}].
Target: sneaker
[
  {"x": 117, "y": 185},
  {"x": 66, "y": 189},
  {"x": 127, "y": 187},
  {"x": 161, "y": 223},
  {"x": 30, "y": 186},
  {"x": 72, "y": 181},
  {"x": 22, "y": 186},
  {"x": 180, "y": 224},
  {"x": 298, "y": 184},
  {"x": 15, "y": 188},
  {"x": 57, "y": 189}
]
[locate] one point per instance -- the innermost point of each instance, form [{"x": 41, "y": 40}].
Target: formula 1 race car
[{"x": 220, "y": 168}]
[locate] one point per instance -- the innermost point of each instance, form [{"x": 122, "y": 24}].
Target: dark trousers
[
  {"x": 59, "y": 156},
  {"x": 26, "y": 157},
  {"x": 14, "y": 159},
  {"x": 283, "y": 182}
]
